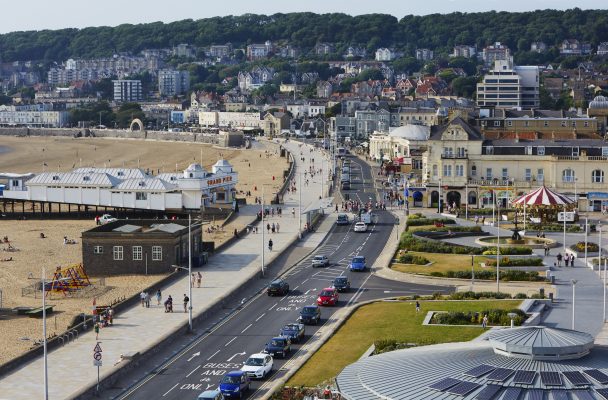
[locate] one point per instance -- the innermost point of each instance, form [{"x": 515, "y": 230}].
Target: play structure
[{"x": 67, "y": 280}]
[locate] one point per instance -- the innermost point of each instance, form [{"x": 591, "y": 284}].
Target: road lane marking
[
  {"x": 275, "y": 304},
  {"x": 213, "y": 355},
  {"x": 170, "y": 389},
  {"x": 231, "y": 340},
  {"x": 193, "y": 371},
  {"x": 306, "y": 280},
  {"x": 260, "y": 317},
  {"x": 247, "y": 327}
]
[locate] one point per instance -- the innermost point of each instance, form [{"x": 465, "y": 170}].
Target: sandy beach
[{"x": 21, "y": 155}]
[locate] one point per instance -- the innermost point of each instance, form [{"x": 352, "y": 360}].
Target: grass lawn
[
  {"x": 441, "y": 263},
  {"x": 384, "y": 320}
]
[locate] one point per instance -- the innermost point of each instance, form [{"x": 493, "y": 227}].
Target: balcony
[
  {"x": 460, "y": 156},
  {"x": 500, "y": 182}
]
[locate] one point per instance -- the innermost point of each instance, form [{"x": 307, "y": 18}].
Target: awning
[{"x": 597, "y": 195}]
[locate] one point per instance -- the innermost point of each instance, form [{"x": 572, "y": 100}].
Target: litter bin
[
  {"x": 552, "y": 279},
  {"x": 541, "y": 291},
  {"x": 551, "y": 297}
]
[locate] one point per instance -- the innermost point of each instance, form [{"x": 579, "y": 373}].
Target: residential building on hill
[
  {"x": 126, "y": 90},
  {"x": 573, "y": 47},
  {"x": 495, "y": 52},
  {"x": 424, "y": 54},
  {"x": 220, "y": 50},
  {"x": 173, "y": 83},
  {"x": 602, "y": 49},
  {"x": 509, "y": 86},
  {"x": 323, "y": 49},
  {"x": 464, "y": 51},
  {"x": 538, "y": 47},
  {"x": 259, "y": 51},
  {"x": 384, "y": 54}
]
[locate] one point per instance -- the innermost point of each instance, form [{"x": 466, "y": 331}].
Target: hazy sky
[{"x": 55, "y": 14}]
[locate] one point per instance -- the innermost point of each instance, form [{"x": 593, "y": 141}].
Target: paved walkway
[{"x": 138, "y": 329}]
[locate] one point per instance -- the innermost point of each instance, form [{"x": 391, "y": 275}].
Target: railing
[
  {"x": 454, "y": 156},
  {"x": 501, "y": 182},
  {"x": 567, "y": 158}
]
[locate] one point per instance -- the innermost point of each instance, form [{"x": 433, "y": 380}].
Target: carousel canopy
[{"x": 543, "y": 196}]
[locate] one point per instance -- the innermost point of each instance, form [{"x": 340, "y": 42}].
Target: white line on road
[
  {"x": 260, "y": 317},
  {"x": 213, "y": 355},
  {"x": 231, "y": 340},
  {"x": 193, "y": 371},
  {"x": 247, "y": 327},
  {"x": 304, "y": 281},
  {"x": 275, "y": 304},
  {"x": 170, "y": 389}
]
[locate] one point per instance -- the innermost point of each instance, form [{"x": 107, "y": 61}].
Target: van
[
  {"x": 342, "y": 219},
  {"x": 345, "y": 170},
  {"x": 345, "y": 178}
]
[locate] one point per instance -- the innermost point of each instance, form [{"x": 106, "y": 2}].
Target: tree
[
  {"x": 5, "y": 100},
  {"x": 464, "y": 86},
  {"x": 334, "y": 110},
  {"x": 407, "y": 65}
]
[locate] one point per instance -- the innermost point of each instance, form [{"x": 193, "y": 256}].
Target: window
[
  {"x": 586, "y": 124},
  {"x": 460, "y": 170},
  {"x": 448, "y": 152},
  {"x": 604, "y": 151},
  {"x": 568, "y": 175},
  {"x": 98, "y": 250},
  {"x": 141, "y": 196},
  {"x": 574, "y": 124},
  {"x": 157, "y": 253},
  {"x": 575, "y": 152},
  {"x": 435, "y": 171},
  {"x": 540, "y": 174},
  {"x": 447, "y": 170},
  {"x": 529, "y": 150},
  {"x": 540, "y": 150},
  {"x": 528, "y": 175},
  {"x": 526, "y": 123},
  {"x": 597, "y": 176},
  {"x": 461, "y": 152},
  {"x": 474, "y": 170},
  {"x": 505, "y": 173},
  {"x": 137, "y": 253},
  {"x": 117, "y": 253},
  {"x": 490, "y": 150},
  {"x": 563, "y": 123},
  {"x": 509, "y": 123},
  {"x": 546, "y": 123},
  {"x": 488, "y": 173},
  {"x": 496, "y": 123}
]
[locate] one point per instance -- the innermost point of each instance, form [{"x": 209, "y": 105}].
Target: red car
[{"x": 328, "y": 297}]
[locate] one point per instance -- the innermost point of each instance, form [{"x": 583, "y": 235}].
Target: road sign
[
  {"x": 97, "y": 356},
  {"x": 97, "y": 363},
  {"x": 97, "y": 348},
  {"x": 568, "y": 215}
]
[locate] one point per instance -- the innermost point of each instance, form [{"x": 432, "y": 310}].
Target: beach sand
[{"x": 23, "y": 155}]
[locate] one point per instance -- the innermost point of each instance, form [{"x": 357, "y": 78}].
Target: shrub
[
  {"x": 495, "y": 317},
  {"x": 415, "y": 216},
  {"x": 411, "y": 243},
  {"x": 516, "y": 262},
  {"x": 430, "y": 221},
  {"x": 520, "y": 296},
  {"x": 478, "y": 295},
  {"x": 507, "y": 250},
  {"x": 413, "y": 259},
  {"x": 454, "y": 229},
  {"x": 555, "y": 227},
  {"x": 507, "y": 276},
  {"x": 580, "y": 247}
]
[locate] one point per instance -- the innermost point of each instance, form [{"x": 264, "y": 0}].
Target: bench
[{"x": 37, "y": 312}]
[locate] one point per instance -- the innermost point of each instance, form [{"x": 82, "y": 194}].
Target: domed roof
[
  {"x": 541, "y": 343},
  {"x": 222, "y": 163},
  {"x": 599, "y": 102},
  {"x": 195, "y": 168},
  {"x": 411, "y": 132}
]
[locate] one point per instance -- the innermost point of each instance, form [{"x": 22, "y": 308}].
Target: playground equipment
[{"x": 67, "y": 280}]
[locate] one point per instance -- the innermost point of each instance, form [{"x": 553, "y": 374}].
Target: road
[{"x": 225, "y": 344}]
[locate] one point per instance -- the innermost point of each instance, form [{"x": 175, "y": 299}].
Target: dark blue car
[
  {"x": 295, "y": 332},
  {"x": 234, "y": 383},
  {"x": 358, "y": 264},
  {"x": 278, "y": 346}
]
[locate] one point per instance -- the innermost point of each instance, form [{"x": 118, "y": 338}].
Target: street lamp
[
  {"x": 189, "y": 269},
  {"x": 564, "y": 217},
  {"x": 573, "y": 300},
  {"x": 45, "y": 362},
  {"x": 472, "y": 270},
  {"x": 586, "y": 235},
  {"x": 512, "y": 316}
]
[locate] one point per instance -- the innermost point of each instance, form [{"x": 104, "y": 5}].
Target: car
[
  {"x": 310, "y": 315},
  {"x": 106, "y": 219},
  {"x": 328, "y": 297},
  {"x": 234, "y": 384},
  {"x": 278, "y": 287},
  {"x": 341, "y": 284},
  {"x": 342, "y": 219},
  {"x": 320, "y": 261},
  {"x": 294, "y": 331},
  {"x": 258, "y": 365},
  {"x": 279, "y": 345},
  {"x": 344, "y": 178},
  {"x": 345, "y": 185},
  {"x": 360, "y": 227},
  {"x": 210, "y": 395},
  {"x": 357, "y": 264}
]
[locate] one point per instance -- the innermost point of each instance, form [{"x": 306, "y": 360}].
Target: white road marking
[
  {"x": 231, "y": 340},
  {"x": 247, "y": 327},
  {"x": 306, "y": 280},
  {"x": 260, "y": 317},
  {"x": 275, "y": 304},
  {"x": 193, "y": 371},
  {"x": 170, "y": 389},
  {"x": 212, "y": 355}
]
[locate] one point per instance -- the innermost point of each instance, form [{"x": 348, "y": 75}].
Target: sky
[{"x": 57, "y": 14}]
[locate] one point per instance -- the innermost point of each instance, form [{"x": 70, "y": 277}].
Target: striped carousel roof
[{"x": 543, "y": 196}]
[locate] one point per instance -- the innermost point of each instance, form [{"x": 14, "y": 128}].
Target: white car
[
  {"x": 106, "y": 219},
  {"x": 360, "y": 227},
  {"x": 320, "y": 261},
  {"x": 258, "y": 365}
]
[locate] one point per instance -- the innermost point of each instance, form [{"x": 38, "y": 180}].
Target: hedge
[
  {"x": 495, "y": 317},
  {"x": 508, "y": 250},
  {"x": 554, "y": 228},
  {"x": 507, "y": 276},
  {"x": 411, "y": 243},
  {"x": 429, "y": 221},
  {"x": 517, "y": 262},
  {"x": 413, "y": 259}
]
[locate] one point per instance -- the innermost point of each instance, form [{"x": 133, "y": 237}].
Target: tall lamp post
[
  {"x": 190, "y": 272},
  {"x": 573, "y": 301},
  {"x": 45, "y": 362},
  {"x": 498, "y": 248},
  {"x": 586, "y": 236},
  {"x": 564, "y": 217}
]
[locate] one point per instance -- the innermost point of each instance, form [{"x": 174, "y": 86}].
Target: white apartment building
[
  {"x": 464, "y": 51},
  {"x": 424, "y": 54},
  {"x": 508, "y": 86},
  {"x": 127, "y": 90},
  {"x": 172, "y": 83},
  {"x": 35, "y": 115},
  {"x": 495, "y": 52},
  {"x": 226, "y": 119},
  {"x": 306, "y": 110},
  {"x": 384, "y": 54}
]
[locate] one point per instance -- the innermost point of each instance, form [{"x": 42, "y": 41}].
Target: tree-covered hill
[{"x": 437, "y": 31}]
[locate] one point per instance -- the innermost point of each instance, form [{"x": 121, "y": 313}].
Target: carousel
[{"x": 543, "y": 205}]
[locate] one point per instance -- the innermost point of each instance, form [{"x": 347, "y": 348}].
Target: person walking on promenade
[
  {"x": 417, "y": 306},
  {"x": 277, "y": 227},
  {"x": 186, "y": 300},
  {"x": 142, "y": 297},
  {"x": 159, "y": 297},
  {"x": 147, "y": 300},
  {"x": 559, "y": 259},
  {"x": 96, "y": 330},
  {"x": 199, "y": 278},
  {"x": 270, "y": 244},
  {"x": 484, "y": 322}
]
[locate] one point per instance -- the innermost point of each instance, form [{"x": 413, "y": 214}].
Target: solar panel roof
[
  {"x": 479, "y": 370},
  {"x": 488, "y": 392},
  {"x": 500, "y": 374},
  {"x": 576, "y": 378},
  {"x": 550, "y": 378},
  {"x": 444, "y": 384},
  {"x": 524, "y": 377},
  {"x": 463, "y": 388},
  {"x": 536, "y": 394},
  {"x": 511, "y": 394},
  {"x": 597, "y": 375}
]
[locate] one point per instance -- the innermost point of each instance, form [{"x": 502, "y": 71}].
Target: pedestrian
[
  {"x": 270, "y": 244},
  {"x": 147, "y": 300},
  {"x": 272, "y": 229},
  {"x": 417, "y": 306},
  {"x": 483, "y": 220},
  {"x": 268, "y": 228},
  {"x": 186, "y": 300},
  {"x": 546, "y": 249},
  {"x": 277, "y": 227},
  {"x": 169, "y": 304},
  {"x": 199, "y": 278},
  {"x": 111, "y": 316},
  {"x": 571, "y": 260},
  {"x": 236, "y": 233},
  {"x": 484, "y": 322},
  {"x": 142, "y": 297},
  {"x": 293, "y": 212},
  {"x": 96, "y": 331},
  {"x": 559, "y": 259},
  {"x": 566, "y": 259},
  {"x": 192, "y": 279},
  {"x": 159, "y": 297}
]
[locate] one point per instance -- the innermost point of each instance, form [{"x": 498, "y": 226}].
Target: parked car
[
  {"x": 360, "y": 227},
  {"x": 106, "y": 219},
  {"x": 320, "y": 261},
  {"x": 295, "y": 332},
  {"x": 234, "y": 384},
  {"x": 342, "y": 219},
  {"x": 328, "y": 297},
  {"x": 342, "y": 284},
  {"x": 358, "y": 264},
  {"x": 344, "y": 178},
  {"x": 278, "y": 346},
  {"x": 310, "y": 315},
  {"x": 210, "y": 395},
  {"x": 278, "y": 287},
  {"x": 345, "y": 185},
  {"x": 258, "y": 365}
]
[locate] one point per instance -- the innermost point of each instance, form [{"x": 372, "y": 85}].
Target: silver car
[{"x": 320, "y": 261}]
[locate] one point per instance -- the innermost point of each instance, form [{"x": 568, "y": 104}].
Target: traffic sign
[
  {"x": 97, "y": 363},
  {"x": 97, "y": 356},
  {"x": 97, "y": 348}
]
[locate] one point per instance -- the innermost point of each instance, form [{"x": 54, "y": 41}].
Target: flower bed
[
  {"x": 430, "y": 221},
  {"x": 413, "y": 259},
  {"x": 411, "y": 243},
  {"x": 516, "y": 262},
  {"x": 495, "y": 317},
  {"x": 553, "y": 228},
  {"x": 580, "y": 247},
  {"x": 508, "y": 250},
  {"x": 507, "y": 276}
]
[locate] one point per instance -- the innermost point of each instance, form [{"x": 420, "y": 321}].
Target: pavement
[{"x": 138, "y": 329}]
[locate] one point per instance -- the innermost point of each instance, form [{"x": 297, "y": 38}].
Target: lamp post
[
  {"x": 466, "y": 201},
  {"x": 564, "y": 217},
  {"x": 45, "y": 362},
  {"x": 573, "y": 301},
  {"x": 498, "y": 250},
  {"x": 263, "y": 236},
  {"x": 190, "y": 272},
  {"x": 439, "y": 202},
  {"x": 512, "y": 316},
  {"x": 472, "y": 270},
  {"x": 586, "y": 235}
]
